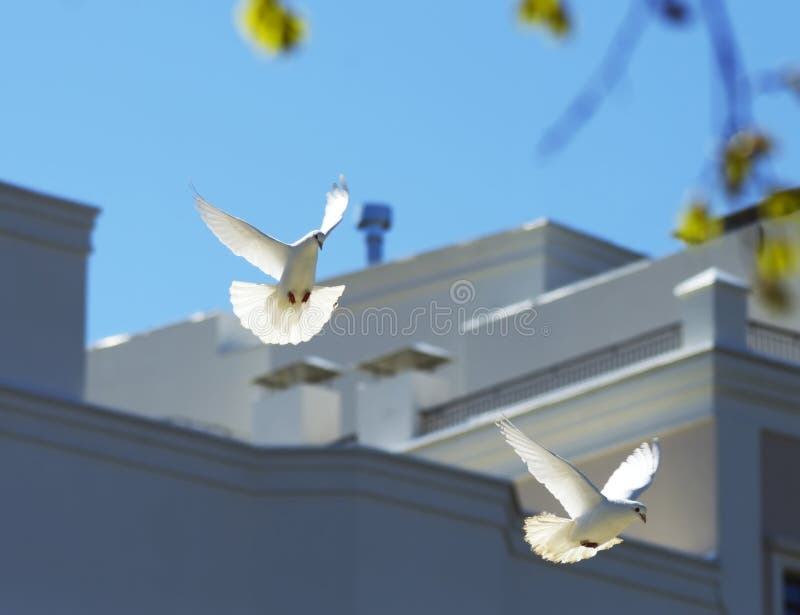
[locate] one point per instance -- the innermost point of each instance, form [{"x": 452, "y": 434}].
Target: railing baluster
[
  {"x": 551, "y": 378},
  {"x": 774, "y": 341}
]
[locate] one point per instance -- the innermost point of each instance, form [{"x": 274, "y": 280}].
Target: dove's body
[
  {"x": 301, "y": 267},
  {"x": 595, "y": 517},
  {"x": 604, "y": 522},
  {"x": 294, "y": 310}
]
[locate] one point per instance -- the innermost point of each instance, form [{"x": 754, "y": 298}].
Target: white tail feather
[
  {"x": 270, "y": 315},
  {"x": 551, "y": 538}
]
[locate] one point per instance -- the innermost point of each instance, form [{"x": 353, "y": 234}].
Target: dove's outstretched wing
[
  {"x": 568, "y": 484},
  {"x": 335, "y": 203},
  {"x": 635, "y": 474},
  {"x": 266, "y": 253}
]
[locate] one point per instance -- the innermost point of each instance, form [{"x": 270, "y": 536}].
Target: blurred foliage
[
  {"x": 777, "y": 255},
  {"x": 549, "y": 14},
  {"x": 741, "y": 153},
  {"x": 741, "y": 168},
  {"x": 776, "y": 259},
  {"x": 696, "y": 225},
  {"x": 270, "y": 26},
  {"x": 774, "y": 295},
  {"x": 780, "y": 203}
]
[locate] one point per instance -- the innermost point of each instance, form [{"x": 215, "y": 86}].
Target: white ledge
[{"x": 710, "y": 277}]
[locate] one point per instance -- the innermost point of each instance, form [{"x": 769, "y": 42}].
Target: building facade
[{"x": 195, "y": 470}]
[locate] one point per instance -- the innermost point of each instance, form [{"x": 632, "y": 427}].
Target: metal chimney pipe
[{"x": 375, "y": 220}]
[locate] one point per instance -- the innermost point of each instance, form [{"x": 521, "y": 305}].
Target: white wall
[
  {"x": 611, "y": 308},
  {"x": 44, "y": 243},
  {"x": 200, "y": 371},
  {"x": 115, "y": 514},
  {"x": 179, "y": 370}
]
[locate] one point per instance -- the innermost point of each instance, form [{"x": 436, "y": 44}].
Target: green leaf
[
  {"x": 777, "y": 259},
  {"x": 741, "y": 152},
  {"x": 270, "y": 26},
  {"x": 550, "y": 14},
  {"x": 696, "y": 225},
  {"x": 780, "y": 203}
]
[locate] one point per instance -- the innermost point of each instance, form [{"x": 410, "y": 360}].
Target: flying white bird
[
  {"x": 595, "y": 517},
  {"x": 294, "y": 310}
]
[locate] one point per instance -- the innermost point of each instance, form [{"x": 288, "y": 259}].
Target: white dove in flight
[
  {"x": 595, "y": 517},
  {"x": 294, "y": 310}
]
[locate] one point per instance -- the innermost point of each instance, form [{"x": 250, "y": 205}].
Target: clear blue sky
[{"x": 433, "y": 107}]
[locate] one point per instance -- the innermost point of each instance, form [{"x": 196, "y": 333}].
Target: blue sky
[{"x": 433, "y": 107}]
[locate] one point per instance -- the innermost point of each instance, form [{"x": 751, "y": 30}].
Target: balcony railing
[
  {"x": 551, "y": 378},
  {"x": 773, "y": 341}
]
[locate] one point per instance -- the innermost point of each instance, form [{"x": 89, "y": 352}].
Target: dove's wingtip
[
  {"x": 199, "y": 201},
  {"x": 503, "y": 420}
]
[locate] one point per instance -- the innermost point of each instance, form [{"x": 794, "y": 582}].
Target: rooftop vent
[
  {"x": 375, "y": 219},
  {"x": 419, "y": 356},
  {"x": 309, "y": 370}
]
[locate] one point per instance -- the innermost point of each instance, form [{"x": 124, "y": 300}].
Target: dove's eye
[{"x": 636, "y": 509}]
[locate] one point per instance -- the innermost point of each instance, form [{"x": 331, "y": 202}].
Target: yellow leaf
[
  {"x": 696, "y": 225},
  {"x": 550, "y": 14},
  {"x": 780, "y": 203},
  {"x": 736, "y": 171},
  {"x": 270, "y": 26},
  {"x": 774, "y": 295},
  {"x": 776, "y": 259},
  {"x": 741, "y": 151}
]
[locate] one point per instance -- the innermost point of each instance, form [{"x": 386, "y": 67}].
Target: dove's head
[
  {"x": 320, "y": 237},
  {"x": 639, "y": 510}
]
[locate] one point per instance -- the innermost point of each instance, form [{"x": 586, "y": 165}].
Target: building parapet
[
  {"x": 773, "y": 341},
  {"x": 762, "y": 338},
  {"x": 554, "y": 377}
]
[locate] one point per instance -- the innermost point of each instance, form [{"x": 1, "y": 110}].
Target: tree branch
[{"x": 583, "y": 107}]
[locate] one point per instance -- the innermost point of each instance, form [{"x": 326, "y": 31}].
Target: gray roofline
[
  {"x": 538, "y": 224},
  {"x": 46, "y": 220},
  {"x": 46, "y": 204}
]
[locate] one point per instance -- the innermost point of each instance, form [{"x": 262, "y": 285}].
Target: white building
[{"x": 235, "y": 477}]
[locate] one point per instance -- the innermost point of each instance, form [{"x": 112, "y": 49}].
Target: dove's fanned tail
[
  {"x": 264, "y": 310},
  {"x": 550, "y": 537}
]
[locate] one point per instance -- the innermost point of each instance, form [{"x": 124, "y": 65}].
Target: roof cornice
[{"x": 48, "y": 220}]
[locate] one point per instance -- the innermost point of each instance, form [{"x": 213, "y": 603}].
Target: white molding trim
[
  {"x": 709, "y": 277},
  {"x": 48, "y": 220},
  {"x": 541, "y": 240}
]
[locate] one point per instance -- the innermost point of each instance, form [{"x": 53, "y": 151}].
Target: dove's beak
[
  {"x": 319, "y": 243},
  {"x": 643, "y": 515}
]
